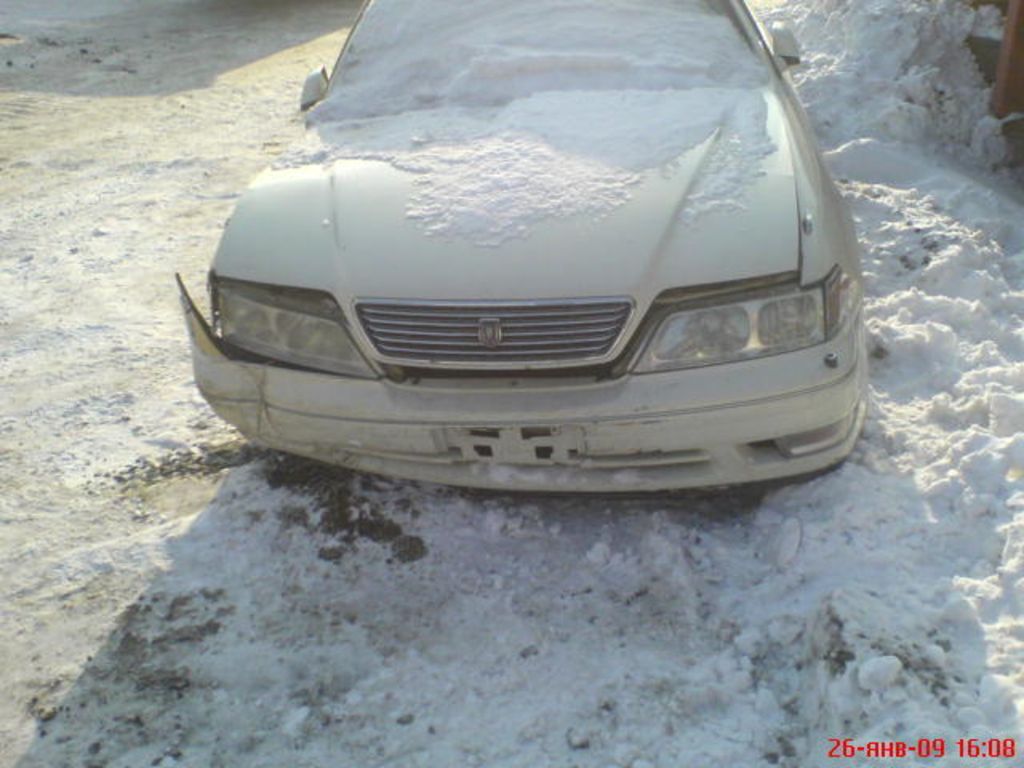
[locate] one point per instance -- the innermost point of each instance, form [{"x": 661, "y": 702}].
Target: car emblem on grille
[{"x": 489, "y": 332}]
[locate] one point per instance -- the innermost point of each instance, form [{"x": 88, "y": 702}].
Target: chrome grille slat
[
  {"x": 511, "y": 324},
  {"x": 442, "y": 333},
  {"x": 511, "y": 353},
  {"x": 508, "y": 335},
  {"x": 496, "y": 311},
  {"x": 507, "y": 344},
  {"x": 409, "y": 333}
]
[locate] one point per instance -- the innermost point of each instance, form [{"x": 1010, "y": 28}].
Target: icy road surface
[{"x": 171, "y": 597}]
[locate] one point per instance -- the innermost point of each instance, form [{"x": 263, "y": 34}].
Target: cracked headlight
[
  {"x": 784, "y": 320},
  {"x": 299, "y": 326}
]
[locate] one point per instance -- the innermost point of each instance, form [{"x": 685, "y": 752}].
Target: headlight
[
  {"x": 293, "y": 325},
  {"x": 699, "y": 337},
  {"x": 791, "y": 322},
  {"x": 752, "y": 326}
]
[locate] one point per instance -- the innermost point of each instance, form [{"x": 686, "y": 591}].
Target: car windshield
[{"x": 425, "y": 54}]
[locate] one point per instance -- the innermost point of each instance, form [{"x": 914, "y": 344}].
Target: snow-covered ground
[{"x": 170, "y": 597}]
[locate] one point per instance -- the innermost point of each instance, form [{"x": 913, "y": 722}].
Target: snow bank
[
  {"x": 894, "y": 69},
  {"x": 925, "y": 643}
]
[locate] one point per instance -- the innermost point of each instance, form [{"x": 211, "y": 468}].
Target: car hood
[{"x": 351, "y": 221}]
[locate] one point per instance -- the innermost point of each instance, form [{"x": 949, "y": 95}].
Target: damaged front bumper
[{"x": 756, "y": 420}]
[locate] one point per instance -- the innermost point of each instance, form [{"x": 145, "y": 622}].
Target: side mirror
[
  {"x": 314, "y": 89},
  {"x": 784, "y": 45}
]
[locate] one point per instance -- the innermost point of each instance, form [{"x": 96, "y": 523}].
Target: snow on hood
[
  {"x": 509, "y": 116},
  {"x": 491, "y": 176}
]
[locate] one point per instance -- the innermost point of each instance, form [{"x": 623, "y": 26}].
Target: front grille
[{"x": 452, "y": 333}]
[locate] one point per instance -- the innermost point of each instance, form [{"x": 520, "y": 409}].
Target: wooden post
[{"x": 1008, "y": 95}]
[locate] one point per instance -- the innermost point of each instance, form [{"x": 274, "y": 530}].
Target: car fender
[{"x": 282, "y": 231}]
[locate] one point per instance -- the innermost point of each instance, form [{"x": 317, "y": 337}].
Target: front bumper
[{"x": 742, "y": 422}]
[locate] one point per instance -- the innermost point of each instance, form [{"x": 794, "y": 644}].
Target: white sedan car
[{"x": 558, "y": 245}]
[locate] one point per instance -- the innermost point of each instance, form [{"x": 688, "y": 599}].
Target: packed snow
[
  {"x": 494, "y": 176},
  {"x": 429, "y": 53},
  {"x": 510, "y": 115},
  {"x": 896, "y": 71},
  {"x": 170, "y": 596}
]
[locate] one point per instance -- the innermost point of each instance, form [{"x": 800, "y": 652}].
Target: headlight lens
[
  {"x": 752, "y": 327},
  {"x": 700, "y": 337},
  {"x": 294, "y": 325},
  {"x": 791, "y": 322}
]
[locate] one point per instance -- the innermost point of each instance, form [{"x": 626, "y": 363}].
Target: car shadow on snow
[
  {"x": 148, "y": 49},
  {"x": 310, "y": 616}
]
